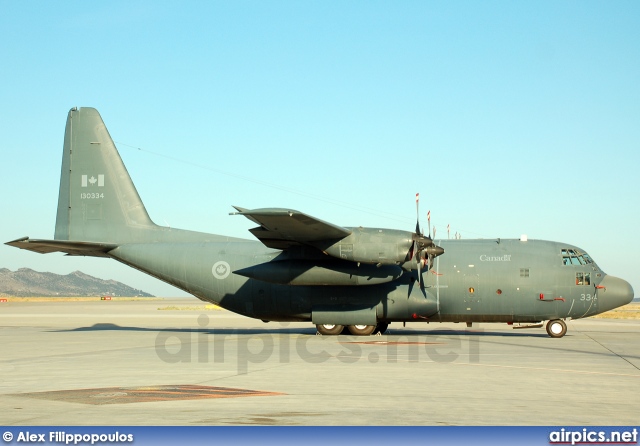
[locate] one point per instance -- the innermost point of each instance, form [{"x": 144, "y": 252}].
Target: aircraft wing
[
  {"x": 69, "y": 247},
  {"x": 283, "y": 228}
]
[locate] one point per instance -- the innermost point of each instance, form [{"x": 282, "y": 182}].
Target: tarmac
[{"x": 139, "y": 363}]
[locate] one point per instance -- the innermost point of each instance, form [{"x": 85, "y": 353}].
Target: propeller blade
[
  {"x": 418, "y": 214},
  {"x": 420, "y": 278},
  {"x": 423, "y": 250}
]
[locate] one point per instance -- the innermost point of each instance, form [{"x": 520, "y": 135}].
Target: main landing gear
[
  {"x": 356, "y": 330},
  {"x": 329, "y": 329}
]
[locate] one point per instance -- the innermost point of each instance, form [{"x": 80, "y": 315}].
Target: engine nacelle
[
  {"x": 310, "y": 272},
  {"x": 372, "y": 246}
]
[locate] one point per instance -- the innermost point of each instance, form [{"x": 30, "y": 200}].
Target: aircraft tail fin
[{"x": 98, "y": 201}]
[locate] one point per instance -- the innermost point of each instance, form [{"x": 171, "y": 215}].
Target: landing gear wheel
[
  {"x": 329, "y": 329},
  {"x": 556, "y": 328},
  {"x": 381, "y": 328},
  {"x": 361, "y": 330}
]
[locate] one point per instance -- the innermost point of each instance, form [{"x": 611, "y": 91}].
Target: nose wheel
[{"x": 556, "y": 328}]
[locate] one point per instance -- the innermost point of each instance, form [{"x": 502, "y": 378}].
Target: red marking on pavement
[{"x": 147, "y": 394}]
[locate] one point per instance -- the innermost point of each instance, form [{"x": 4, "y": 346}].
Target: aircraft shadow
[
  {"x": 223, "y": 330},
  {"x": 391, "y": 333}
]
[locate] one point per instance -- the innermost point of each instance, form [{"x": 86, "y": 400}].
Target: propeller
[{"x": 423, "y": 248}]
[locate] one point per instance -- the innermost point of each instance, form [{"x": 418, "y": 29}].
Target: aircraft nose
[{"x": 613, "y": 293}]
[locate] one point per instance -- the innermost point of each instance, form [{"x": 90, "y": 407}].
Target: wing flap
[
  {"x": 283, "y": 228},
  {"x": 69, "y": 247}
]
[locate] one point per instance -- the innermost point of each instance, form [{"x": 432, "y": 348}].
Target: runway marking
[
  {"x": 146, "y": 394},
  {"x": 393, "y": 343}
]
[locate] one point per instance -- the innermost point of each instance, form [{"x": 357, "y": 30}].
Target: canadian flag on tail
[{"x": 91, "y": 181}]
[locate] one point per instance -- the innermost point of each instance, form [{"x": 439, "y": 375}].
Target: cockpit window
[
  {"x": 583, "y": 278},
  {"x": 575, "y": 257}
]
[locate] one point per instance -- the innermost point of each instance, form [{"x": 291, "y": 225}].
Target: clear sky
[{"x": 509, "y": 117}]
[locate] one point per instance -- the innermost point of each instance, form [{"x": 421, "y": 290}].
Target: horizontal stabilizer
[
  {"x": 68, "y": 247},
  {"x": 282, "y": 228}
]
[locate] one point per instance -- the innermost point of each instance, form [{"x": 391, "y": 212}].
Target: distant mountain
[{"x": 26, "y": 282}]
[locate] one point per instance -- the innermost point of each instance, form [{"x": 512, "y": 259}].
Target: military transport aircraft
[{"x": 304, "y": 269}]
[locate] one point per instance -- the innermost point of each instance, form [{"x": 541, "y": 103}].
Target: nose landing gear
[{"x": 556, "y": 328}]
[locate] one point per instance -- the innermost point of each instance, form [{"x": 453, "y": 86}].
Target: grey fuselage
[{"x": 475, "y": 281}]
